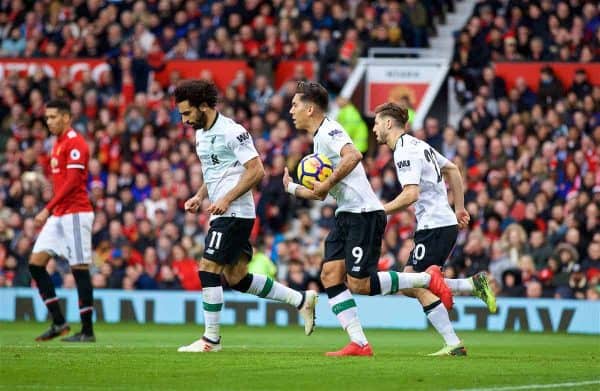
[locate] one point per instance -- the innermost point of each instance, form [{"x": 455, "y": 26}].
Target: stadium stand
[{"x": 530, "y": 156}]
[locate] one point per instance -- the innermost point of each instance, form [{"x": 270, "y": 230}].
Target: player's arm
[
  {"x": 74, "y": 177},
  {"x": 455, "y": 183},
  {"x": 239, "y": 141},
  {"x": 251, "y": 177},
  {"x": 408, "y": 169},
  {"x": 408, "y": 196},
  {"x": 350, "y": 159},
  {"x": 194, "y": 203},
  {"x": 296, "y": 189},
  {"x": 76, "y": 163}
]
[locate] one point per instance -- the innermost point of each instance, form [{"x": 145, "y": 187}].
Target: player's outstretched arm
[
  {"x": 455, "y": 182},
  {"x": 296, "y": 189},
  {"x": 351, "y": 157},
  {"x": 253, "y": 174},
  {"x": 408, "y": 196}
]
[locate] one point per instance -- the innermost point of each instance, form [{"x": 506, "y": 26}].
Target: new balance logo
[
  {"x": 403, "y": 164},
  {"x": 243, "y": 137},
  {"x": 334, "y": 132},
  {"x": 356, "y": 268},
  {"x": 210, "y": 251}
]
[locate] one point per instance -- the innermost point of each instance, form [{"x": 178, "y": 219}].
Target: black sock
[
  {"x": 209, "y": 279},
  {"x": 375, "y": 285},
  {"x": 244, "y": 284},
  {"x": 335, "y": 290},
  {"x": 46, "y": 289},
  {"x": 86, "y": 299}
]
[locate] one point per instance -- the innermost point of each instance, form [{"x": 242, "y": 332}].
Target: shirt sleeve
[
  {"x": 336, "y": 139},
  {"x": 77, "y": 154},
  {"x": 441, "y": 159},
  {"x": 240, "y": 142},
  {"x": 408, "y": 168}
]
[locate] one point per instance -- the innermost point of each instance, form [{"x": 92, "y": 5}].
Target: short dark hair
[
  {"x": 62, "y": 106},
  {"x": 397, "y": 112},
  {"x": 196, "y": 92},
  {"x": 314, "y": 93}
]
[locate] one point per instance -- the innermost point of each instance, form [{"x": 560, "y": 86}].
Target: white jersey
[
  {"x": 354, "y": 192},
  {"x": 417, "y": 163},
  {"x": 223, "y": 150}
]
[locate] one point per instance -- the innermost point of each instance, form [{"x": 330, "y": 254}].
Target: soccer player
[
  {"x": 231, "y": 167},
  {"x": 421, "y": 171},
  {"x": 353, "y": 246},
  {"x": 67, "y": 225}
]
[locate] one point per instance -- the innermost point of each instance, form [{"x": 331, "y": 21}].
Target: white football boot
[
  {"x": 308, "y": 311},
  {"x": 202, "y": 345}
]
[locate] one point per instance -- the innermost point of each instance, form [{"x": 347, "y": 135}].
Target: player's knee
[
  {"x": 361, "y": 286},
  {"x": 207, "y": 265},
  {"x": 330, "y": 277},
  {"x": 38, "y": 259},
  {"x": 233, "y": 277}
]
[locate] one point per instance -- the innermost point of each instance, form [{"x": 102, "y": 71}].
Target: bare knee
[
  {"x": 424, "y": 296},
  {"x": 209, "y": 266},
  {"x": 39, "y": 259},
  {"x": 332, "y": 273},
  {"x": 235, "y": 273},
  {"x": 361, "y": 286}
]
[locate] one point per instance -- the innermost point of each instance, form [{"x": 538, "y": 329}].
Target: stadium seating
[{"x": 530, "y": 153}]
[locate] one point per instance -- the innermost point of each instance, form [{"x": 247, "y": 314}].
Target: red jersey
[{"x": 69, "y": 170}]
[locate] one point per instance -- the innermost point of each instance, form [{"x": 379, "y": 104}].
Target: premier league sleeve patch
[{"x": 75, "y": 154}]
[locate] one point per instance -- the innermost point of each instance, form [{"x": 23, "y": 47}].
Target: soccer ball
[{"x": 314, "y": 167}]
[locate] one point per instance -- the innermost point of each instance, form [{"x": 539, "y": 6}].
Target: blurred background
[{"x": 508, "y": 90}]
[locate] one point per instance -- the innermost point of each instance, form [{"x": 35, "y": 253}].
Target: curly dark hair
[
  {"x": 395, "y": 111},
  {"x": 314, "y": 93},
  {"x": 196, "y": 92}
]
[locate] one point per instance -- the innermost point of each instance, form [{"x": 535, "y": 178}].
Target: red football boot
[
  {"x": 352, "y": 349},
  {"x": 438, "y": 286}
]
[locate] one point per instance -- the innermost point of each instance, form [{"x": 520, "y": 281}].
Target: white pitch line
[{"x": 533, "y": 386}]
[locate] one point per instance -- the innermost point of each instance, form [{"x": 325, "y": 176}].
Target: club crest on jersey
[
  {"x": 334, "y": 132},
  {"x": 75, "y": 154},
  {"x": 54, "y": 162},
  {"x": 244, "y": 137},
  {"x": 402, "y": 164}
]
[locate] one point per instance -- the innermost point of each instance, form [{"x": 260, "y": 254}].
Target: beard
[{"x": 200, "y": 122}]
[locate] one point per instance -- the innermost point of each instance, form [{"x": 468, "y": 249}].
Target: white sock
[
  {"x": 264, "y": 286},
  {"x": 212, "y": 301},
  {"x": 460, "y": 285},
  {"x": 441, "y": 321},
  {"x": 391, "y": 282},
  {"x": 344, "y": 308}
]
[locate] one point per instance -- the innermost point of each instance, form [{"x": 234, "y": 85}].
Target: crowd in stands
[{"x": 530, "y": 159}]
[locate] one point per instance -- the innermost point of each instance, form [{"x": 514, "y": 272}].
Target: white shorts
[{"x": 68, "y": 236}]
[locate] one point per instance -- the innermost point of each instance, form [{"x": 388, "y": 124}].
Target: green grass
[{"x": 132, "y": 356}]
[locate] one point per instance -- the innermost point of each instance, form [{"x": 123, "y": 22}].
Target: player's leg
[
  {"x": 438, "y": 315},
  {"x": 362, "y": 252},
  {"x": 263, "y": 286},
  {"x": 47, "y": 243},
  {"x": 426, "y": 256},
  {"x": 342, "y": 303},
  {"x": 77, "y": 233},
  {"x": 344, "y": 307},
  {"x": 212, "y": 303},
  {"x": 221, "y": 248},
  {"x": 445, "y": 237}
]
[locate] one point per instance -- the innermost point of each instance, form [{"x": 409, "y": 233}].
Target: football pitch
[{"x": 144, "y": 356}]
